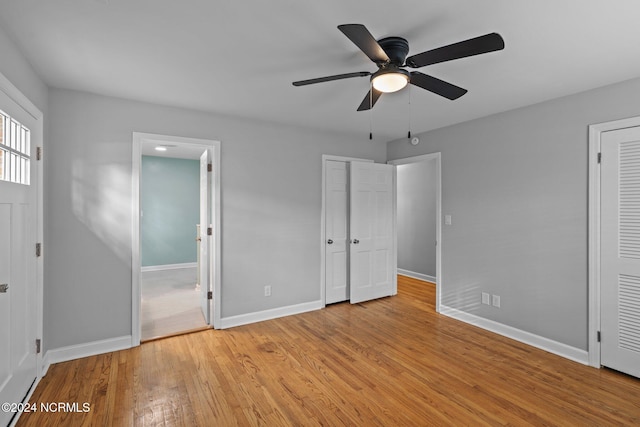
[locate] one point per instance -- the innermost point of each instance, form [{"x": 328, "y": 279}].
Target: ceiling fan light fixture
[{"x": 390, "y": 80}]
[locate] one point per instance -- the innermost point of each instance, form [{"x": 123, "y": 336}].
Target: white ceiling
[{"x": 239, "y": 57}]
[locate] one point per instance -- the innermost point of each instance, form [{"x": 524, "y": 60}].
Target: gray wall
[
  {"x": 170, "y": 204},
  {"x": 417, "y": 217},
  {"x": 271, "y": 197},
  {"x": 19, "y": 72},
  {"x": 516, "y": 186}
]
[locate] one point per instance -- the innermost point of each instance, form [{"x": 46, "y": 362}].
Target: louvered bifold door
[{"x": 620, "y": 250}]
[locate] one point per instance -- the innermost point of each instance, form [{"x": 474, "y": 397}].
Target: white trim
[
  {"x": 274, "y": 313},
  {"x": 555, "y": 347},
  {"x": 415, "y": 275},
  {"x": 595, "y": 134},
  {"x": 72, "y": 352},
  {"x": 169, "y": 267},
  {"x": 323, "y": 217},
  {"x": 438, "y": 159},
  {"x": 136, "y": 324},
  {"x": 394, "y": 230},
  {"x": 139, "y": 139}
]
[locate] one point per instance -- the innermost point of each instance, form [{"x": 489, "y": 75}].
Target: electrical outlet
[
  {"x": 447, "y": 220},
  {"x": 485, "y": 298},
  {"x": 267, "y": 291},
  {"x": 496, "y": 301}
]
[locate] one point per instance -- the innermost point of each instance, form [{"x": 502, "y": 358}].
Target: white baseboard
[
  {"x": 78, "y": 351},
  {"x": 245, "y": 319},
  {"x": 27, "y": 398},
  {"x": 560, "y": 349},
  {"x": 168, "y": 266},
  {"x": 415, "y": 275}
]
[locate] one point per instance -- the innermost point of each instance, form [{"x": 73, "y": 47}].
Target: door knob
[
  {"x": 329, "y": 242},
  {"x": 356, "y": 241},
  {"x": 4, "y": 288}
]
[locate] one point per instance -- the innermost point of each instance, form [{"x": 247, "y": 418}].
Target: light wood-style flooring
[{"x": 389, "y": 362}]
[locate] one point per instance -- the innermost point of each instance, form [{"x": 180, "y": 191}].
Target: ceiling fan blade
[
  {"x": 362, "y": 38},
  {"x": 437, "y": 86},
  {"x": 476, "y": 46},
  {"x": 330, "y": 78},
  {"x": 369, "y": 100}
]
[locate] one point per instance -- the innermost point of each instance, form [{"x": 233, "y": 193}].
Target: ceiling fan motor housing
[{"x": 396, "y": 49}]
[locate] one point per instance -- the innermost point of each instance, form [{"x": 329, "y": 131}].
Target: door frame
[
  {"x": 138, "y": 140},
  {"x": 37, "y": 140},
  {"x": 323, "y": 218},
  {"x": 438, "y": 160},
  {"x": 594, "y": 230}
]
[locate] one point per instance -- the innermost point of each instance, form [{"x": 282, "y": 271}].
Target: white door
[
  {"x": 206, "y": 246},
  {"x": 372, "y": 232},
  {"x": 620, "y": 250},
  {"x": 18, "y": 225},
  {"x": 336, "y": 232}
]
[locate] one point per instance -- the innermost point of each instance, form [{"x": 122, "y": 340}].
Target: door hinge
[
  {"x": 38, "y": 249},
  {"x": 38, "y": 153},
  {"x": 599, "y": 336},
  {"x": 209, "y": 167},
  {"x": 38, "y": 346},
  {"x": 210, "y": 295},
  {"x": 209, "y": 231},
  {"x": 599, "y": 157}
]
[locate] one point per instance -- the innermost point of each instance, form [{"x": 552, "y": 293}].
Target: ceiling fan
[{"x": 390, "y": 55}]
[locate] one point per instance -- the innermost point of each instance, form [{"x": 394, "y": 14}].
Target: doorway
[
  {"x": 420, "y": 251},
  {"x": 169, "y": 218},
  {"x": 176, "y": 233}
]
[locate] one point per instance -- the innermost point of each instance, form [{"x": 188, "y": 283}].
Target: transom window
[{"x": 15, "y": 151}]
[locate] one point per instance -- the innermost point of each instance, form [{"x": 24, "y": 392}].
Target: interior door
[
  {"x": 18, "y": 225},
  {"x": 620, "y": 250},
  {"x": 336, "y": 232},
  {"x": 206, "y": 246},
  {"x": 372, "y": 231}
]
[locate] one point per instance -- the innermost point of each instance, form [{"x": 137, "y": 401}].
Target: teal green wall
[{"x": 170, "y": 204}]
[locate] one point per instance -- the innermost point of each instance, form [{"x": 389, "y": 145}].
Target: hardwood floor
[{"x": 390, "y": 362}]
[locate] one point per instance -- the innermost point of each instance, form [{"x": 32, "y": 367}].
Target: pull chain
[
  {"x": 370, "y": 111},
  {"x": 409, "y": 132}
]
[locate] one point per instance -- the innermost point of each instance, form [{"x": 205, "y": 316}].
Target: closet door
[
  {"x": 620, "y": 250},
  {"x": 336, "y": 232},
  {"x": 372, "y": 231}
]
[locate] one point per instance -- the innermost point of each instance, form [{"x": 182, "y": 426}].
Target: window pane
[
  {"x": 15, "y": 164},
  {"x": 26, "y": 149},
  {"x": 27, "y": 169},
  {"x": 12, "y": 168},
  {"x": 12, "y": 135},
  {"x": 2, "y": 119}
]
